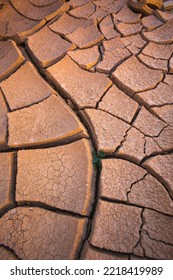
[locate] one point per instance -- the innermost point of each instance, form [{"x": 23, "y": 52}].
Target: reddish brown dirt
[{"x": 77, "y": 77}]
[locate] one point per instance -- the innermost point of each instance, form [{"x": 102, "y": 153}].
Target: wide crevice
[
  {"x": 11, "y": 251},
  {"x": 14, "y": 177},
  {"x": 7, "y": 208},
  {"x": 134, "y": 183},
  {"x": 140, "y": 232},
  {"x": 92, "y": 214}
]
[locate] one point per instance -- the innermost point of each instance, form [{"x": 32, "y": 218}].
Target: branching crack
[
  {"x": 159, "y": 106},
  {"x": 158, "y": 177},
  {"x": 131, "y": 187},
  {"x": 122, "y": 142},
  {"x": 114, "y": 25},
  {"x": 6, "y": 53},
  {"x": 147, "y": 135},
  {"x": 147, "y": 55},
  {"x": 87, "y": 17},
  {"x": 101, "y": 98},
  {"x": 138, "y": 243},
  {"x": 160, "y": 241},
  {"x": 113, "y": 115},
  {"x": 30, "y": 105}
]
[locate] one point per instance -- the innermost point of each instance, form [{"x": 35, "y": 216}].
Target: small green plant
[{"x": 97, "y": 159}]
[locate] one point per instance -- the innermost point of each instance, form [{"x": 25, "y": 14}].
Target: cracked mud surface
[{"x": 78, "y": 76}]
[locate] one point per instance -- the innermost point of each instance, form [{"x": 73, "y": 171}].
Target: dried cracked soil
[{"x": 75, "y": 77}]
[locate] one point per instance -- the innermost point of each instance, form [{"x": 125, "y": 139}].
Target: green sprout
[{"x": 97, "y": 159}]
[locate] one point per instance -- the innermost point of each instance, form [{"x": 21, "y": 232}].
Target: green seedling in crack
[{"x": 97, "y": 159}]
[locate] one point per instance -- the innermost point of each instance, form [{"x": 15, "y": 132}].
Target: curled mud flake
[{"x": 146, "y": 7}]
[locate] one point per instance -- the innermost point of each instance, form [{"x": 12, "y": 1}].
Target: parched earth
[{"x": 79, "y": 77}]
